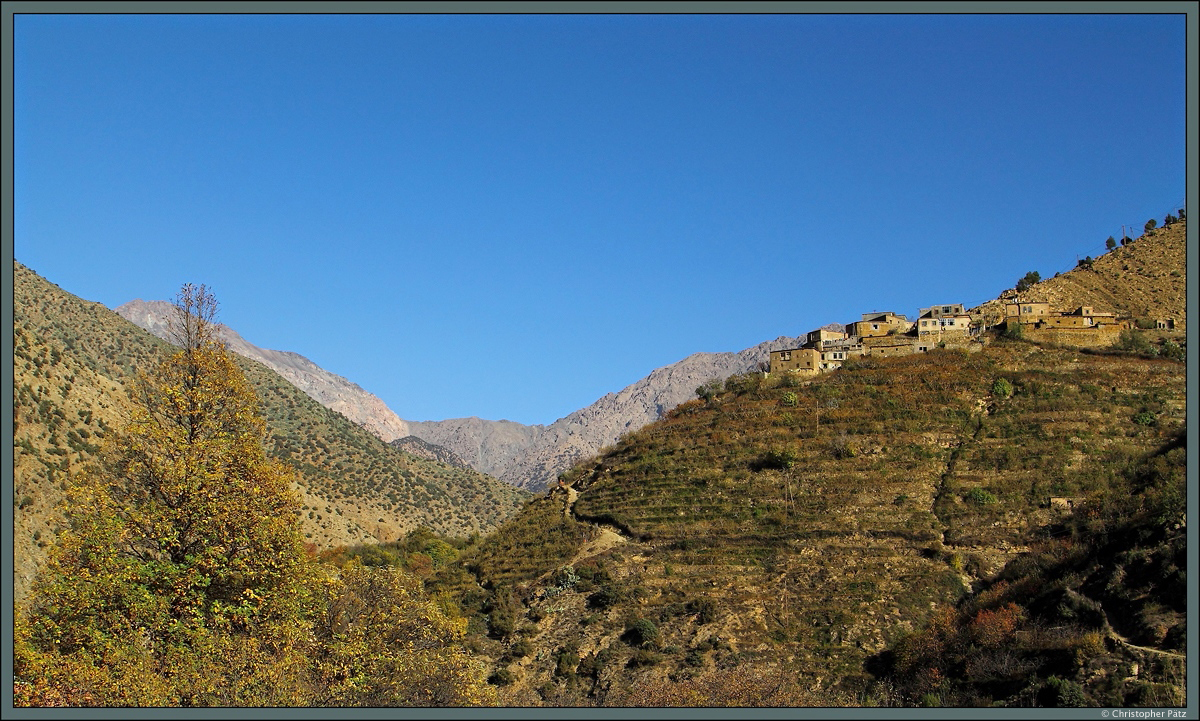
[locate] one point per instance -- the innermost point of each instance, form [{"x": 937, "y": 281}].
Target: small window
[{"x": 946, "y": 309}]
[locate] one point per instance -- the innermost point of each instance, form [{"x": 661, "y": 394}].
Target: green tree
[
  {"x": 1110, "y": 243},
  {"x": 1028, "y": 281},
  {"x": 181, "y": 578},
  {"x": 1151, "y": 225}
]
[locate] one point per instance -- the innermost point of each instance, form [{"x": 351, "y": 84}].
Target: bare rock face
[
  {"x": 531, "y": 457},
  {"x": 328, "y": 389}
]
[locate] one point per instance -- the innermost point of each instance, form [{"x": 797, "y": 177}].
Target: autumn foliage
[{"x": 182, "y": 579}]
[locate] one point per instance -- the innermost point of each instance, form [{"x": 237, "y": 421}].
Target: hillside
[
  {"x": 73, "y": 363},
  {"x": 1146, "y": 279},
  {"x": 949, "y": 528},
  {"x": 791, "y": 533}
]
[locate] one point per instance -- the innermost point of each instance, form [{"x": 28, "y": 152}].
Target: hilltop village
[{"x": 948, "y": 326}]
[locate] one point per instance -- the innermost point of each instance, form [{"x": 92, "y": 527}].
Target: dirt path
[
  {"x": 608, "y": 538},
  {"x": 1116, "y": 636}
]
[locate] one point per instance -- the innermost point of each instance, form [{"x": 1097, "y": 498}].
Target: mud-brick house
[
  {"x": 821, "y": 337},
  {"x": 879, "y": 324},
  {"x": 1083, "y": 317},
  {"x": 942, "y": 322},
  {"x": 798, "y": 360},
  {"x": 1025, "y": 312}
]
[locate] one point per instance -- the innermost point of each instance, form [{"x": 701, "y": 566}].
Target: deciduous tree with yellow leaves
[{"x": 182, "y": 581}]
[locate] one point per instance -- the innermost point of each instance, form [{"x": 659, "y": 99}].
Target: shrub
[
  {"x": 1085, "y": 263},
  {"x": 644, "y": 658},
  {"x": 1174, "y": 351},
  {"x": 606, "y": 596},
  {"x": 501, "y": 677},
  {"x": 1134, "y": 342},
  {"x": 841, "y": 447},
  {"x": 790, "y": 399},
  {"x": 980, "y": 497},
  {"x": 709, "y": 390},
  {"x": 782, "y": 459},
  {"x": 1151, "y": 225},
  {"x": 1013, "y": 331},
  {"x": 1002, "y": 388},
  {"x": 789, "y": 379},
  {"x": 1145, "y": 418},
  {"x": 641, "y": 632},
  {"x": 704, "y": 608},
  {"x": 566, "y": 660},
  {"x": 1061, "y": 693},
  {"x": 1110, "y": 243}
]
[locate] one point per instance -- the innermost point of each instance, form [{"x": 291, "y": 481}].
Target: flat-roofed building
[
  {"x": 942, "y": 321},
  {"x": 1029, "y": 312},
  {"x": 937, "y": 311},
  {"x": 823, "y": 336},
  {"x": 797, "y": 360},
  {"x": 879, "y": 324}
]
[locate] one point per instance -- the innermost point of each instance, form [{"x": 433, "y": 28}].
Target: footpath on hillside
[{"x": 609, "y": 536}]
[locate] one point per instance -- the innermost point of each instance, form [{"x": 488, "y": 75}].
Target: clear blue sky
[{"x": 511, "y": 216}]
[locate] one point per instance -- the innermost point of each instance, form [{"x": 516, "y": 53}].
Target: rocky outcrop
[
  {"x": 329, "y": 389},
  {"x": 531, "y": 457}
]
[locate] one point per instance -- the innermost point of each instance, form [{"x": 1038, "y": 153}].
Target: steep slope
[
  {"x": 328, "y": 389},
  {"x": 1146, "y": 279},
  {"x": 74, "y": 362},
  {"x": 789, "y": 531}
]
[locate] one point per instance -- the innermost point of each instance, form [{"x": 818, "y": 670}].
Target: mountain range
[{"x": 526, "y": 456}]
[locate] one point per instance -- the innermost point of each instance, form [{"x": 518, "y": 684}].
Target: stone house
[
  {"x": 941, "y": 322},
  {"x": 879, "y": 324},
  {"x": 1083, "y": 317},
  {"x": 1029, "y": 312},
  {"x": 822, "y": 336},
  {"x": 799, "y": 360}
]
